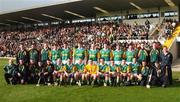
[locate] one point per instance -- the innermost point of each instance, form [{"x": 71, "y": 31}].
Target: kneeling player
[
  {"x": 22, "y": 72},
  {"x": 10, "y": 73}
]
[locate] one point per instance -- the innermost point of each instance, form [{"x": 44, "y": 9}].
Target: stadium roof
[{"x": 76, "y": 10}]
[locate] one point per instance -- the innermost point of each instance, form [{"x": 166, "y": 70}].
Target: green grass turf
[{"x": 31, "y": 93}]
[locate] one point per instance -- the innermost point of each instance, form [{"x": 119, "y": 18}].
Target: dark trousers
[
  {"x": 167, "y": 79},
  {"x": 143, "y": 81},
  {"x": 7, "y": 77}
]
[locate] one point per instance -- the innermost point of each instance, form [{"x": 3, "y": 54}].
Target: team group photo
[{"x": 89, "y": 50}]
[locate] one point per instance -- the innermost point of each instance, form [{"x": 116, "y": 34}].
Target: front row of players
[{"x": 80, "y": 74}]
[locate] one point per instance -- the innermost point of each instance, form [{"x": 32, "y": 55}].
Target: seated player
[
  {"x": 48, "y": 73},
  {"x": 114, "y": 73},
  {"x": 78, "y": 74},
  {"x": 144, "y": 74},
  {"x": 22, "y": 72},
  {"x": 57, "y": 74},
  {"x": 93, "y": 72},
  {"x": 103, "y": 74},
  {"x": 10, "y": 73},
  {"x": 134, "y": 70},
  {"x": 71, "y": 69},
  {"x": 125, "y": 72},
  {"x": 87, "y": 72}
]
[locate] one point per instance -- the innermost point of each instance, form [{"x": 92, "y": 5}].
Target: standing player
[
  {"x": 33, "y": 66},
  {"x": 79, "y": 53},
  {"x": 117, "y": 55},
  {"x": 65, "y": 54},
  {"x": 45, "y": 54},
  {"x": 93, "y": 54},
  {"x": 154, "y": 54},
  {"x": 106, "y": 54},
  {"x": 55, "y": 55},
  {"x": 142, "y": 55},
  {"x": 129, "y": 54},
  {"x": 22, "y": 55},
  {"x": 33, "y": 55}
]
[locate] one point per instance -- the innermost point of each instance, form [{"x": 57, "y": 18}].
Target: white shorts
[
  {"x": 65, "y": 61},
  {"x": 128, "y": 63},
  {"x": 54, "y": 62},
  {"x": 107, "y": 62},
  {"x": 117, "y": 62}
]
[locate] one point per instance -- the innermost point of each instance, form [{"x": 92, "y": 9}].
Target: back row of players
[{"x": 80, "y": 66}]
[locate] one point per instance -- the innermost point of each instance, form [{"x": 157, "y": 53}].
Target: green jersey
[
  {"x": 57, "y": 67},
  {"x": 154, "y": 54},
  {"x": 124, "y": 68},
  {"x": 103, "y": 68},
  {"x": 21, "y": 68},
  {"x": 142, "y": 55},
  {"x": 69, "y": 68},
  {"x": 145, "y": 71},
  {"x": 55, "y": 55},
  {"x": 105, "y": 54},
  {"x": 80, "y": 67},
  {"x": 129, "y": 56},
  {"x": 10, "y": 69},
  {"x": 134, "y": 67},
  {"x": 118, "y": 55},
  {"x": 113, "y": 68},
  {"x": 49, "y": 68},
  {"x": 21, "y": 55},
  {"x": 65, "y": 54},
  {"x": 33, "y": 54},
  {"x": 93, "y": 55},
  {"x": 44, "y": 55},
  {"x": 79, "y": 54}
]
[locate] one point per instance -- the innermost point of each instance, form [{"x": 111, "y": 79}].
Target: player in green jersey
[
  {"x": 65, "y": 54},
  {"x": 79, "y": 53},
  {"x": 118, "y": 55},
  {"x": 129, "y": 54},
  {"x": 106, "y": 54},
  {"x": 80, "y": 70},
  {"x": 55, "y": 55},
  {"x": 45, "y": 54},
  {"x": 135, "y": 67},
  {"x": 93, "y": 54},
  {"x": 103, "y": 73},
  {"x": 142, "y": 54},
  {"x": 154, "y": 54},
  {"x": 125, "y": 72},
  {"x": 114, "y": 73}
]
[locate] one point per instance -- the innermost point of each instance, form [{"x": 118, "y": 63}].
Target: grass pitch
[{"x": 31, "y": 93}]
